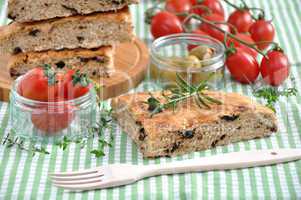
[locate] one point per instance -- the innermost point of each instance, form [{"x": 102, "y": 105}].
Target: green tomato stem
[
  {"x": 232, "y": 5},
  {"x": 252, "y": 46}
]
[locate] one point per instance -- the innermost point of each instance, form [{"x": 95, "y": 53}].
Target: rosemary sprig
[{"x": 180, "y": 93}]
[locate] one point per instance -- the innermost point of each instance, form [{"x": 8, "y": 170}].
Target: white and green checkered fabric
[{"x": 25, "y": 177}]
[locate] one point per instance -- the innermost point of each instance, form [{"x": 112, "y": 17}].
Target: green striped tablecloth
[{"x": 24, "y": 176}]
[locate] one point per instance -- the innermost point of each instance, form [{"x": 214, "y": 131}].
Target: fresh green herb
[
  {"x": 40, "y": 150},
  {"x": 50, "y": 74},
  {"x": 104, "y": 124},
  {"x": 81, "y": 78},
  {"x": 98, "y": 153},
  {"x": 271, "y": 95},
  {"x": 98, "y": 90},
  {"x": 11, "y": 141},
  {"x": 65, "y": 142},
  {"x": 182, "y": 92}
]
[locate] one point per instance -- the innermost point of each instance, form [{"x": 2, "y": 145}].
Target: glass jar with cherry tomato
[
  {"x": 40, "y": 120},
  {"x": 193, "y": 56}
]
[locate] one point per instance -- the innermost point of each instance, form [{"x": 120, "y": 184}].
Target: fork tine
[
  {"x": 77, "y": 177},
  {"x": 81, "y": 187},
  {"x": 75, "y": 173},
  {"x": 78, "y": 182}
]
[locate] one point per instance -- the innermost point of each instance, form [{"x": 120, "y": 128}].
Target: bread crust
[
  {"x": 90, "y": 31},
  {"x": 190, "y": 128},
  {"x": 94, "y": 62},
  {"x": 33, "y": 10}
]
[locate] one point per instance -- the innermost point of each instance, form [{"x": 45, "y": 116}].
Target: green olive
[
  {"x": 195, "y": 61},
  {"x": 202, "y": 52},
  {"x": 168, "y": 76},
  {"x": 190, "y": 61},
  {"x": 154, "y": 71}
]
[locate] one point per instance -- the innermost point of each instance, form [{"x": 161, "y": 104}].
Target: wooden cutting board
[{"x": 131, "y": 62}]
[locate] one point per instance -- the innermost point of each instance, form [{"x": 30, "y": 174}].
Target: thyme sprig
[
  {"x": 50, "y": 73},
  {"x": 13, "y": 141},
  {"x": 105, "y": 124},
  {"x": 81, "y": 79},
  {"x": 180, "y": 93},
  {"x": 271, "y": 95}
]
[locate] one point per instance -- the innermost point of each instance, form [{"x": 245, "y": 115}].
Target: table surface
[{"x": 25, "y": 176}]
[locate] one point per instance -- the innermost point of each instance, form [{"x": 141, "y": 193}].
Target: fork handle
[{"x": 226, "y": 161}]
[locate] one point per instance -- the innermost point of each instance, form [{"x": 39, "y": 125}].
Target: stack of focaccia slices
[{"x": 65, "y": 34}]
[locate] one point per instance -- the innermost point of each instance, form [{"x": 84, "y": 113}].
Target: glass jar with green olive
[{"x": 192, "y": 56}]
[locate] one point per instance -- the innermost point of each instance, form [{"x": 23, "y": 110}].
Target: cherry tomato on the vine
[
  {"x": 262, "y": 31},
  {"x": 242, "y": 20},
  {"x": 245, "y": 38},
  {"x": 178, "y": 6},
  {"x": 275, "y": 67},
  {"x": 212, "y": 31},
  {"x": 243, "y": 67},
  {"x": 214, "y": 5},
  {"x": 165, "y": 23}
]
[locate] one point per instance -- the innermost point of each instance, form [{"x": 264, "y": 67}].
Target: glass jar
[
  {"x": 165, "y": 49},
  {"x": 39, "y": 121}
]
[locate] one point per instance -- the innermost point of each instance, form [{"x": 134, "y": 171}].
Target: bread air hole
[
  {"x": 17, "y": 50},
  {"x": 60, "y": 64},
  {"x": 142, "y": 134},
  {"x": 229, "y": 118},
  {"x": 34, "y": 32}
]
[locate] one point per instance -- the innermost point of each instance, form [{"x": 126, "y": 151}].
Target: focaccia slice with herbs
[
  {"x": 36, "y": 10},
  {"x": 190, "y": 127}
]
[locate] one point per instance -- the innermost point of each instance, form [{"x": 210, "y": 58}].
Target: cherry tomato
[
  {"x": 243, "y": 67},
  {"x": 34, "y": 85},
  {"x": 199, "y": 32},
  {"x": 262, "y": 30},
  {"x": 74, "y": 90},
  {"x": 275, "y": 68},
  {"x": 165, "y": 23},
  {"x": 58, "y": 89},
  {"x": 214, "y": 5},
  {"x": 52, "y": 119},
  {"x": 213, "y": 32},
  {"x": 242, "y": 20},
  {"x": 246, "y": 38},
  {"x": 178, "y": 6}
]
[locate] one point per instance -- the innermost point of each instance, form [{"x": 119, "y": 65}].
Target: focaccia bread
[
  {"x": 91, "y": 31},
  {"x": 94, "y": 62},
  {"x": 190, "y": 128},
  {"x": 36, "y": 10}
]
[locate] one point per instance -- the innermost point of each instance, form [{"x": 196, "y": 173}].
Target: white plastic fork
[{"x": 123, "y": 174}]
